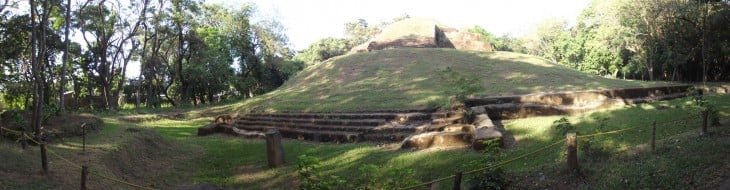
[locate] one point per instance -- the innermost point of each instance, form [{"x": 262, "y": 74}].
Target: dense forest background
[{"x": 193, "y": 53}]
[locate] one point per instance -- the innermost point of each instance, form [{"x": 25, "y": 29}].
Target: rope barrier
[
  {"x": 488, "y": 167},
  {"x": 77, "y": 165},
  {"x": 541, "y": 149},
  {"x": 122, "y": 182},
  {"x": 409, "y": 187}
]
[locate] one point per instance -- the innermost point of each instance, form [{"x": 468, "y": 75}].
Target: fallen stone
[
  {"x": 437, "y": 139},
  {"x": 478, "y": 109},
  {"x": 248, "y": 134},
  {"x": 209, "y": 129},
  {"x": 460, "y": 128},
  {"x": 484, "y": 134},
  {"x": 483, "y": 120}
]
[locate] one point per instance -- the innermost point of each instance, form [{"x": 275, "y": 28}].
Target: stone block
[
  {"x": 486, "y": 133},
  {"x": 437, "y": 139}
]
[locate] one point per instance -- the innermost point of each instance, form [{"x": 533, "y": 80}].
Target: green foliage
[
  {"x": 637, "y": 40},
  {"x": 311, "y": 176},
  {"x": 370, "y": 177},
  {"x": 324, "y": 49},
  {"x": 701, "y": 104},
  {"x": 592, "y": 150},
  {"x": 561, "y": 127},
  {"x": 359, "y": 31},
  {"x": 492, "y": 178},
  {"x": 489, "y": 37}
]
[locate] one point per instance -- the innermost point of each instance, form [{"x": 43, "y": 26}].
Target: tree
[
  {"x": 38, "y": 57},
  {"x": 324, "y": 49},
  {"x": 62, "y": 76}
]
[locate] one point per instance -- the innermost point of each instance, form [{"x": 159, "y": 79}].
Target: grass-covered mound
[{"x": 414, "y": 78}]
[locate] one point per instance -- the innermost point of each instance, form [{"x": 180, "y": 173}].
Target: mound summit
[{"x": 423, "y": 33}]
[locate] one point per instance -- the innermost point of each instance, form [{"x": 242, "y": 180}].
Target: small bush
[
  {"x": 492, "y": 178},
  {"x": 561, "y": 127},
  {"x": 591, "y": 151},
  {"x": 699, "y": 103},
  {"x": 369, "y": 176},
  {"x": 311, "y": 177}
]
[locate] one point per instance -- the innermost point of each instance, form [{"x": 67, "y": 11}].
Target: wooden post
[
  {"x": 433, "y": 186},
  {"x": 704, "y": 123},
  {"x": 457, "y": 180},
  {"x": 44, "y": 156},
  {"x": 653, "y": 136},
  {"x": 572, "y": 141},
  {"x": 84, "y": 175},
  {"x": 83, "y": 137},
  {"x": 23, "y": 141},
  {"x": 274, "y": 148}
]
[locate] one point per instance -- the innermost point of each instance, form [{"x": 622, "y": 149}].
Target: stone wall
[{"x": 521, "y": 106}]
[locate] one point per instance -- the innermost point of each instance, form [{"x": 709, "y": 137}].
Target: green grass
[
  {"x": 177, "y": 156},
  {"x": 410, "y": 78},
  {"x": 237, "y": 162}
]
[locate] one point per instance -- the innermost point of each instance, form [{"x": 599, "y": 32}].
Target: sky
[{"x": 308, "y": 21}]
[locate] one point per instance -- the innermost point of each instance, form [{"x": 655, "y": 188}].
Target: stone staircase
[
  {"x": 415, "y": 129},
  {"x": 330, "y": 127}
]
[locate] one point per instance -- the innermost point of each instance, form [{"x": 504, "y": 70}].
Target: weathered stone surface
[
  {"x": 209, "y": 129},
  {"x": 245, "y": 133},
  {"x": 437, "y": 139},
  {"x": 580, "y": 98},
  {"x": 460, "y": 128},
  {"x": 423, "y": 33},
  {"x": 483, "y": 120},
  {"x": 521, "y": 106},
  {"x": 478, "y": 109},
  {"x": 483, "y": 134},
  {"x": 274, "y": 149}
]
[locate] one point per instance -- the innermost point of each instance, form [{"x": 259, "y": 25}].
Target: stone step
[
  {"x": 447, "y": 121},
  {"x": 311, "y": 135},
  {"x": 409, "y": 116},
  {"x": 387, "y": 137},
  {"x": 307, "y": 126},
  {"x": 347, "y": 122}
]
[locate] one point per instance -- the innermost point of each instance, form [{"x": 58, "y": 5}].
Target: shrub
[
  {"x": 492, "y": 178},
  {"x": 311, "y": 176},
  {"x": 370, "y": 176},
  {"x": 561, "y": 127},
  {"x": 699, "y": 103}
]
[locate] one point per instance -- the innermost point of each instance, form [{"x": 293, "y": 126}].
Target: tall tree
[
  {"x": 62, "y": 85},
  {"x": 38, "y": 50}
]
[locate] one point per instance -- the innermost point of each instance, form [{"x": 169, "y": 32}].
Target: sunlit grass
[
  {"x": 411, "y": 78},
  {"x": 237, "y": 162}
]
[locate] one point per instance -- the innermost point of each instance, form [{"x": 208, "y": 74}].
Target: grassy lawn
[
  {"x": 236, "y": 162},
  {"x": 408, "y": 78},
  {"x": 160, "y": 151}
]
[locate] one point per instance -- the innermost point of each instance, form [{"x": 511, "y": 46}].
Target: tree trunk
[
  {"x": 180, "y": 51},
  {"x": 705, "y": 14},
  {"x": 62, "y": 77},
  {"x": 38, "y": 52}
]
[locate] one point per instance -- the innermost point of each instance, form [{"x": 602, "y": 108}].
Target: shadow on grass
[{"x": 624, "y": 160}]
